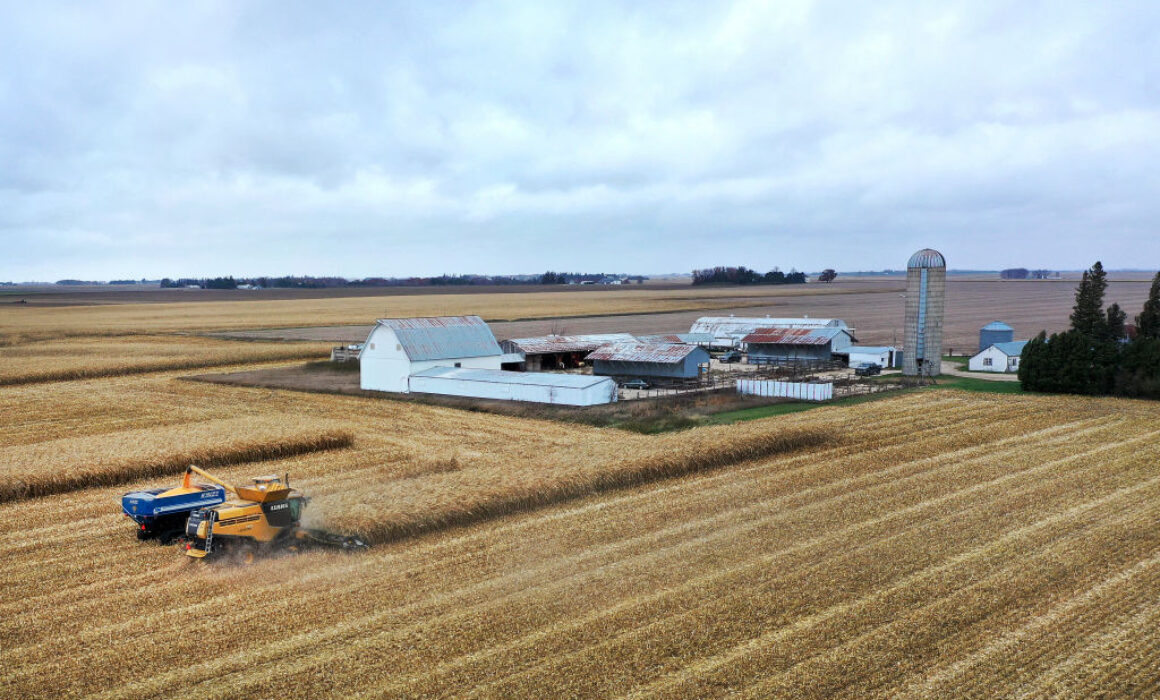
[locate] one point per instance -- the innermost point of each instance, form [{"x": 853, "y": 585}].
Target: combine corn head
[{"x": 262, "y": 517}]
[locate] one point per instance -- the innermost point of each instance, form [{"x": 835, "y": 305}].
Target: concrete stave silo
[{"x": 926, "y": 281}]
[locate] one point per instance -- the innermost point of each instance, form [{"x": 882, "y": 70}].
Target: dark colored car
[
  {"x": 635, "y": 384},
  {"x": 731, "y": 356},
  {"x": 868, "y": 370}
]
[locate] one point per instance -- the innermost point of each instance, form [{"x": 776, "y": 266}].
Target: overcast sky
[{"x": 143, "y": 139}]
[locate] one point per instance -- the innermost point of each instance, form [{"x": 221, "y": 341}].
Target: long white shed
[{"x": 564, "y": 389}]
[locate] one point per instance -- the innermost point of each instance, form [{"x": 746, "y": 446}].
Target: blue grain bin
[{"x": 995, "y": 332}]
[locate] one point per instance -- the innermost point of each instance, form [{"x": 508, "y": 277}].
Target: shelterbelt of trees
[{"x": 1100, "y": 354}]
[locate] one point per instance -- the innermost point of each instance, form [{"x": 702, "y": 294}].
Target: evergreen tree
[
  {"x": 1114, "y": 324},
  {"x": 1087, "y": 315},
  {"x": 1148, "y": 322}
]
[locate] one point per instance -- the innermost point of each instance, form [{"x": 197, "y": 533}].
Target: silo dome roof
[{"x": 927, "y": 257}]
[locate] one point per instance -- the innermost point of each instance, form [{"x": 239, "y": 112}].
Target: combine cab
[
  {"x": 262, "y": 517},
  {"x": 161, "y": 513}
]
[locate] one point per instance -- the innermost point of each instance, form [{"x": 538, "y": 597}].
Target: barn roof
[
  {"x": 499, "y": 376},
  {"x": 443, "y": 337},
  {"x": 792, "y": 336},
  {"x": 545, "y": 344},
  {"x": 663, "y": 353}
]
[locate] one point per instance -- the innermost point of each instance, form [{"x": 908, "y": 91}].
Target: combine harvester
[{"x": 261, "y": 518}]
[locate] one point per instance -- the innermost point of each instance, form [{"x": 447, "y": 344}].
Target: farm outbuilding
[
  {"x": 559, "y": 351},
  {"x": 562, "y": 389},
  {"x": 999, "y": 357},
  {"x": 400, "y": 347},
  {"x": 995, "y": 332},
  {"x": 671, "y": 360},
  {"x": 777, "y": 345},
  {"x": 886, "y": 356},
  {"x": 729, "y": 331}
]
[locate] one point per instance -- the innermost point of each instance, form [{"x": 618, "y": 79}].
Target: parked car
[
  {"x": 730, "y": 357},
  {"x": 635, "y": 384},
  {"x": 868, "y": 370}
]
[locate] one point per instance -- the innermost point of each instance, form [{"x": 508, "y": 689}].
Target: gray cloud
[{"x": 148, "y": 139}]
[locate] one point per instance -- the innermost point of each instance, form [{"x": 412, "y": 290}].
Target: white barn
[
  {"x": 398, "y": 348},
  {"x": 999, "y": 357}
]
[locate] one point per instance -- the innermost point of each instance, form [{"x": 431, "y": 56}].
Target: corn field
[{"x": 931, "y": 544}]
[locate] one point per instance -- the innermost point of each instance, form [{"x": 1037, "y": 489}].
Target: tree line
[
  {"x": 1101, "y": 354},
  {"x": 744, "y": 275},
  {"x": 308, "y": 282}
]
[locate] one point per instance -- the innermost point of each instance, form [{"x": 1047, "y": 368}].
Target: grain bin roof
[
  {"x": 499, "y": 376},
  {"x": 791, "y": 336},
  {"x": 997, "y": 326},
  {"x": 663, "y": 353},
  {"x": 545, "y": 344},
  {"x": 443, "y": 337},
  {"x": 927, "y": 257}
]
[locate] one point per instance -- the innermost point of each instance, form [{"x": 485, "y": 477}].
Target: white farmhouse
[
  {"x": 998, "y": 357},
  {"x": 398, "y": 348}
]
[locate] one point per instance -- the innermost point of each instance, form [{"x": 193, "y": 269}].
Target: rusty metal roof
[
  {"x": 566, "y": 343},
  {"x": 791, "y": 336},
  {"x": 690, "y": 338},
  {"x": 664, "y": 353},
  {"x": 443, "y": 337}
]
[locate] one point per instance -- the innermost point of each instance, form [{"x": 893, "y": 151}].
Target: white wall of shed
[{"x": 597, "y": 393}]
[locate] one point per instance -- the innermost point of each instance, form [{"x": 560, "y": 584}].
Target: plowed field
[{"x": 936, "y": 544}]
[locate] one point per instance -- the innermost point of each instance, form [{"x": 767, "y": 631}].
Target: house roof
[
  {"x": 545, "y": 344},
  {"x": 997, "y": 326},
  {"x": 663, "y": 353},
  {"x": 1010, "y": 349},
  {"x": 499, "y": 376},
  {"x": 792, "y": 336},
  {"x": 443, "y": 337}
]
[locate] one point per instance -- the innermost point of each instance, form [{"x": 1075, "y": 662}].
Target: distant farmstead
[{"x": 676, "y": 361}]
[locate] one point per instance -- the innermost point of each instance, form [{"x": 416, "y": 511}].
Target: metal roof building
[
  {"x": 562, "y": 389},
  {"x": 399, "y": 347},
  {"x": 560, "y": 351},
  {"x": 728, "y": 331},
  {"x": 702, "y": 339},
  {"x": 998, "y": 357},
  {"x": 650, "y": 360},
  {"x": 767, "y": 345}
]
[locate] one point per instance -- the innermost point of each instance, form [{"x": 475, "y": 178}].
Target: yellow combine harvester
[{"x": 259, "y": 518}]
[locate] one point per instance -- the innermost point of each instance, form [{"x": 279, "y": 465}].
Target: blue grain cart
[{"x": 161, "y": 513}]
